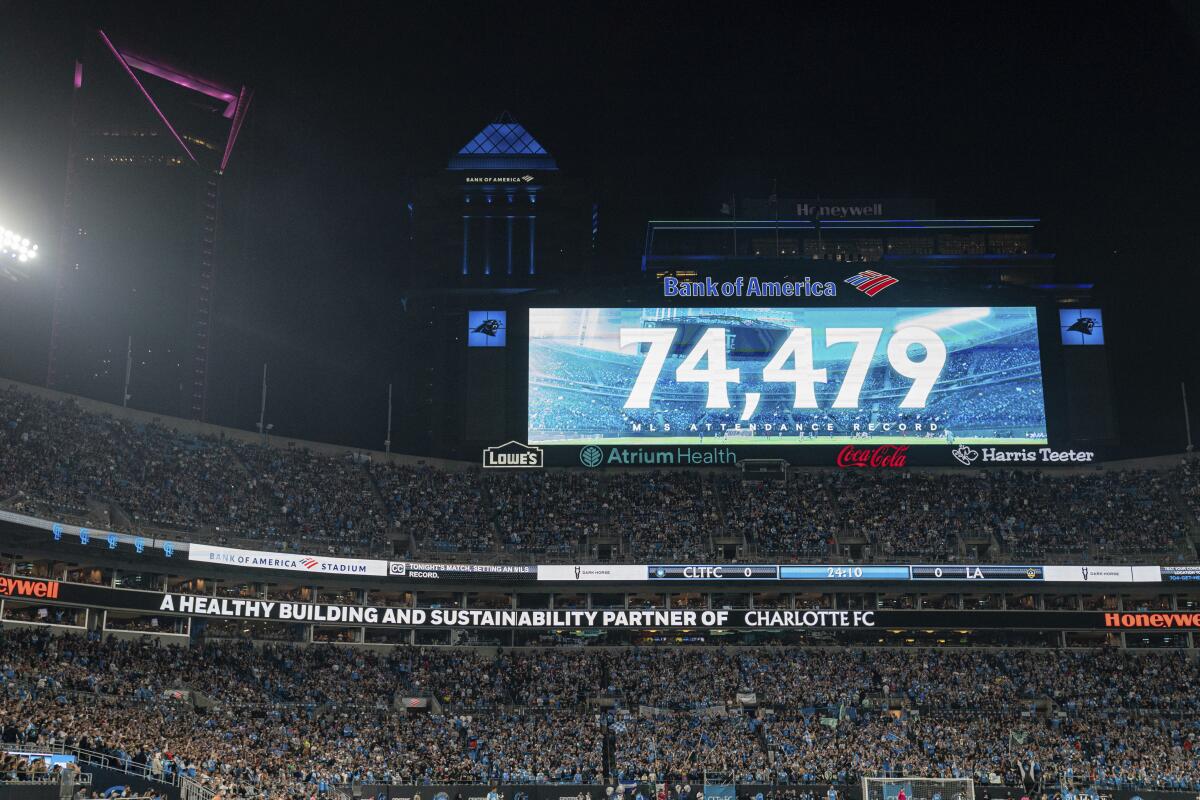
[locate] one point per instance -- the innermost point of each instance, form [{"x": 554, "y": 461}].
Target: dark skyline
[{"x": 1084, "y": 116}]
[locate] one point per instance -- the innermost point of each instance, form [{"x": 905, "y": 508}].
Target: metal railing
[
  {"x": 104, "y": 760},
  {"x": 191, "y": 789},
  {"x": 81, "y": 779}
]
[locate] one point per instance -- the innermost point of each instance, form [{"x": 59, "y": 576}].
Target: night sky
[{"x": 1086, "y": 115}]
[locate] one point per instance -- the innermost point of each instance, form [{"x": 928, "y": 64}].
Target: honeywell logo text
[
  {"x": 1143, "y": 620},
  {"x": 21, "y": 587}
]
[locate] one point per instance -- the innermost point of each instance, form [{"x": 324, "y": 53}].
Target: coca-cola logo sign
[{"x": 885, "y": 455}]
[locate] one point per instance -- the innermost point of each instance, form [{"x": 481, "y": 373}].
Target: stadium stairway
[
  {"x": 262, "y": 487},
  {"x": 608, "y": 535},
  {"x": 1182, "y": 491},
  {"x": 725, "y": 534},
  {"x": 109, "y": 514},
  {"x": 610, "y": 755},
  {"x": 399, "y": 542},
  {"x": 488, "y": 501},
  {"x": 760, "y": 736}
]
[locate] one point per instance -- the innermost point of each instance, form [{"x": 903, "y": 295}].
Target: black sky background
[{"x": 1086, "y": 115}]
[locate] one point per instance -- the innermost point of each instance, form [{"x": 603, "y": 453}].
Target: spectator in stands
[{"x": 62, "y": 462}]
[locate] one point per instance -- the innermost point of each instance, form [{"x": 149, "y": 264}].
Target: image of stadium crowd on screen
[{"x": 785, "y": 375}]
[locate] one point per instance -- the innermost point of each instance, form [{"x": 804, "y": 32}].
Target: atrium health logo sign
[
  {"x": 883, "y": 456},
  {"x": 591, "y": 456}
]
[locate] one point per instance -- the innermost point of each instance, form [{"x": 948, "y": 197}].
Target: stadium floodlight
[{"x": 17, "y": 246}]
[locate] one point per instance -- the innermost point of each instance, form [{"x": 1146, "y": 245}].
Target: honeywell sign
[
  {"x": 1142, "y": 619},
  {"x": 815, "y": 208},
  {"x": 23, "y": 587},
  {"x": 839, "y": 209}
]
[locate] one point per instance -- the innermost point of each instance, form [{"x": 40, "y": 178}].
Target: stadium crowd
[
  {"x": 564, "y": 384},
  {"x": 61, "y": 461},
  {"x": 293, "y": 721},
  {"x": 537, "y": 512}
]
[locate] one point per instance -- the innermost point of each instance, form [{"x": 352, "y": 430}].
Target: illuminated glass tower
[{"x": 503, "y": 172}]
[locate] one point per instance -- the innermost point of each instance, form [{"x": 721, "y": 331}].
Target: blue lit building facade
[
  {"x": 498, "y": 223},
  {"x": 502, "y": 172},
  {"x": 500, "y": 216}
]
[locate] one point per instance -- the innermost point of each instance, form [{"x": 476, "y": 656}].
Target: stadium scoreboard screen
[{"x": 902, "y": 376}]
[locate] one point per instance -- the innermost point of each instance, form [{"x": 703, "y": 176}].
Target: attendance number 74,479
[{"x": 802, "y": 374}]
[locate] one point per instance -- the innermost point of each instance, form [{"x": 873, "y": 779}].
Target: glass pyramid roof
[
  {"x": 503, "y": 145},
  {"x": 507, "y": 138}
]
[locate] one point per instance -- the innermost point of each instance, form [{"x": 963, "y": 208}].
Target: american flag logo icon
[
  {"x": 310, "y": 563},
  {"x": 870, "y": 282}
]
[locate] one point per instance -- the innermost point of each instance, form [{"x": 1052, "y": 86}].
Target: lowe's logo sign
[{"x": 513, "y": 455}]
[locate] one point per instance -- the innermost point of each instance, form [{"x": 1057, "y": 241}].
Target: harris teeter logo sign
[{"x": 967, "y": 455}]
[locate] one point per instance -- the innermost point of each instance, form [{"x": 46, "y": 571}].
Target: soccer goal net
[{"x": 918, "y": 789}]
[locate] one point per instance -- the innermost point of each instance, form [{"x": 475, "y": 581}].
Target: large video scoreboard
[
  {"x": 950, "y": 367},
  {"x": 947, "y": 375}
]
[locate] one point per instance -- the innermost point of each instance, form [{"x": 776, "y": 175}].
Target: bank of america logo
[
  {"x": 870, "y": 282},
  {"x": 309, "y": 563}
]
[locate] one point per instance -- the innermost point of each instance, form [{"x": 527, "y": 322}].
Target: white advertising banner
[
  {"x": 1090, "y": 573},
  {"x": 1147, "y": 575},
  {"x": 294, "y": 562},
  {"x": 591, "y": 572}
]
